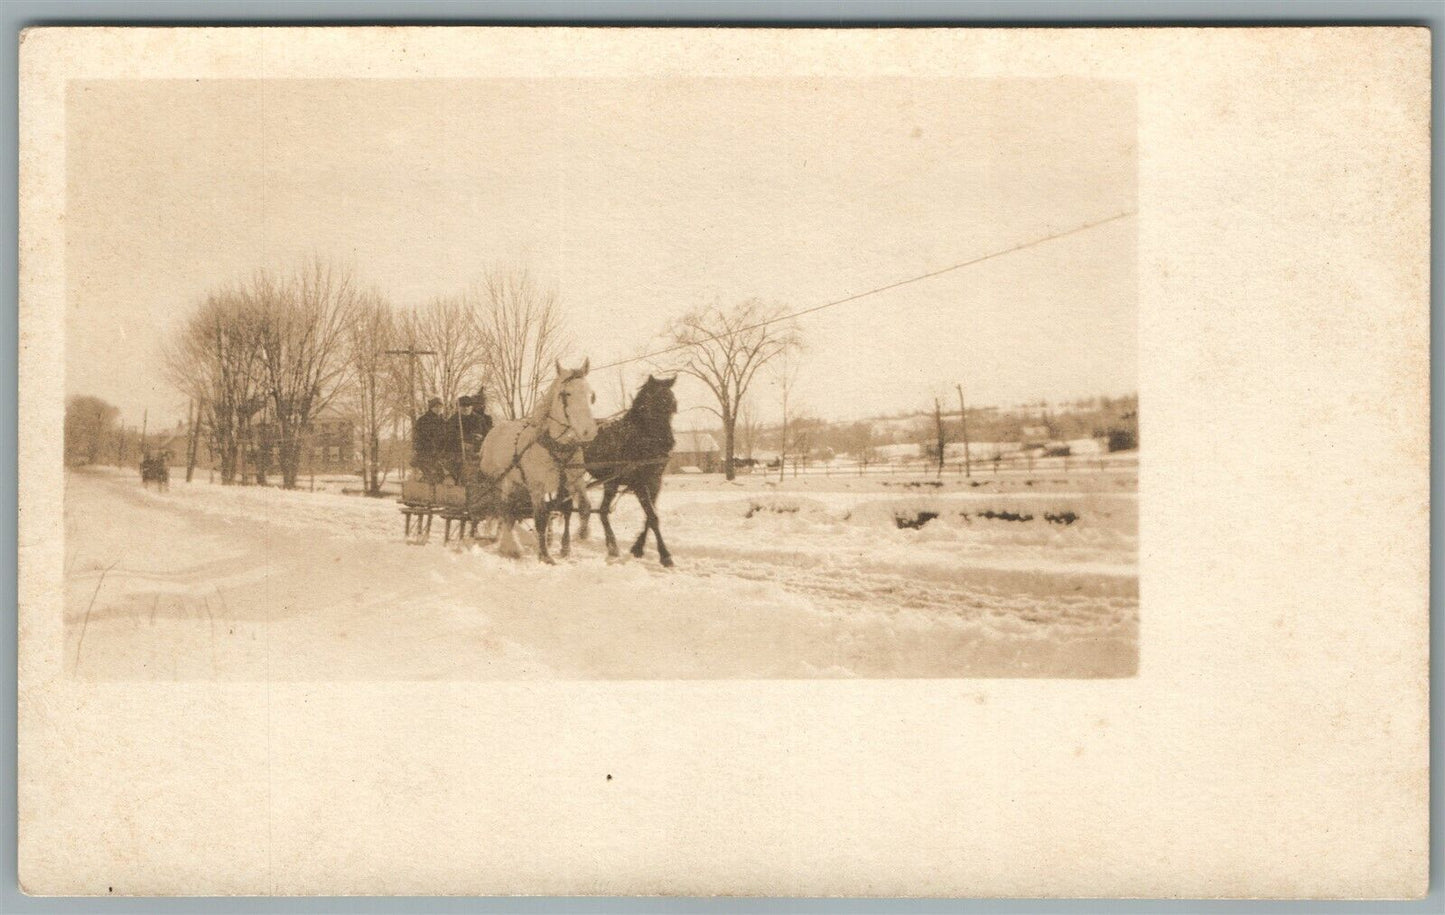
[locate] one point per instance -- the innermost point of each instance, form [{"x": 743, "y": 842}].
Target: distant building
[
  {"x": 764, "y": 457},
  {"x": 1034, "y": 436},
  {"x": 695, "y": 449},
  {"x": 329, "y": 447},
  {"x": 903, "y": 451},
  {"x": 978, "y": 451},
  {"x": 1088, "y": 445}
]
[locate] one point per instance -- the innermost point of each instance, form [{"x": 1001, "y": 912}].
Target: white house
[{"x": 695, "y": 449}]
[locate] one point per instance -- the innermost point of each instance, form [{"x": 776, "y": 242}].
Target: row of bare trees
[
  {"x": 272, "y": 346},
  {"x": 91, "y": 425},
  {"x": 726, "y": 349},
  {"x": 266, "y": 356}
]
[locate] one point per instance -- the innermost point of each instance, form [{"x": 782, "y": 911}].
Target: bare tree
[
  {"x": 445, "y": 327},
  {"x": 803, "y": 437},
  {"x": 90, "y": 423},
  {"x": 858, "y": 440},
  {"x": 371, "y": 381},
  {"x": 622, "y": 393},
  {"x": 748, "y": 427},
  {"x": 300, "y": 323},
  {"x": 213, "y": 358},
  {"x": 724, "y": 349},
  {"x": 519, "y": 327}
]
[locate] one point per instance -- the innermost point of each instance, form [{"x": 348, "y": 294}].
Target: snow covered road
[{"x": 817, "y": 577}]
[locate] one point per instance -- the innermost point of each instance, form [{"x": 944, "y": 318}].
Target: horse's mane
[
  {"x": 639, "y": 402},
  {"x": 652, "y": 424},
  {"x": 632, "y": 445},
  {"x": 543, "y": 405}
]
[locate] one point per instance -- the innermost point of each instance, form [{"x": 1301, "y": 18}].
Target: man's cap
[
  {"x": 434, "y": 402},
  {"x": 466, "y": 400}
]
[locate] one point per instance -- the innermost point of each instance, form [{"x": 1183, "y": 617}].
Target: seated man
[
  {"x": 428, "y": 443},
  {"x": 465, "y": 431},
  {"x": 481, "y": 422}
]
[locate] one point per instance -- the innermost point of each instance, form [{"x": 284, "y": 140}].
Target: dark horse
[{"x": 631, "y": 452}]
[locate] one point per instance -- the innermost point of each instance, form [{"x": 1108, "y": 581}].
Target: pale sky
[{"x": 638, "y": 200}]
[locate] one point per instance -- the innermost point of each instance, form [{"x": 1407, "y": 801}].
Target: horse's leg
[
  {"x": 506, "y": 539},
  {"x": 566, "y": 509},
  {"x": 541, "y": 509},
  {"x": 584, "y": 510},
  {"x": 649, "y": 507},
  {"x": 646, "y": 503},
  {"x": 609, "y": 491},
  {"x": 649, "y": 510}
]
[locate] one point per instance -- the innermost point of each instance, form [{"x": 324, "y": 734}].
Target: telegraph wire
[{"x": 874, "y": 291}]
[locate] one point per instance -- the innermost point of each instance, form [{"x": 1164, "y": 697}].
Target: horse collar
[{"x": 560, "y": 453}]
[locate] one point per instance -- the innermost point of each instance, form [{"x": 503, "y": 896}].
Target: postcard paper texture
[{"x": 768, "y": 462}]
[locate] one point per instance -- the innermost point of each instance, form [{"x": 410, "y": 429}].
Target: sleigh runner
[
  {"x": 421, "y": 502},
  {"x": 462, "y": 508}
]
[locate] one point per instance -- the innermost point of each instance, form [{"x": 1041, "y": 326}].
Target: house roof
[
  {"x": 696, "y": 443},
  {"x": 332, "y": 413}
]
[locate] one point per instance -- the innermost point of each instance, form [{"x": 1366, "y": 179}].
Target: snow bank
[{"x": 242, "y": 582}]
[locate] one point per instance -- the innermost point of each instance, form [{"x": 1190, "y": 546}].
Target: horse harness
[{"x": 562, "y": 454}]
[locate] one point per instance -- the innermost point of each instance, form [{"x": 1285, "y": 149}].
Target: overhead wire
[{"x": 1032, "y": 243}]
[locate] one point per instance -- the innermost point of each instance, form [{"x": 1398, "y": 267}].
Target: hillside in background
[{"x": 1112, "y": 420}]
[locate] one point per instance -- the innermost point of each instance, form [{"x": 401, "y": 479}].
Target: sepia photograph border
[{"x": 1050, "y": 906}]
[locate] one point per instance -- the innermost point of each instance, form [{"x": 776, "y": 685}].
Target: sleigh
[
  {"x": 462, "y": 506},
  {"x": 154, "y": 470}
]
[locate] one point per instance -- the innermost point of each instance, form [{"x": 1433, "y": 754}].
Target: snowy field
[{"x": 811, "y": 577}]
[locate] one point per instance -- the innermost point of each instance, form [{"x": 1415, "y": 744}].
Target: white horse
[{"x": 528, "y": 461}]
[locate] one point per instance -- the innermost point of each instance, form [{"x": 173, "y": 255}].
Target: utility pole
[
  {"x": 938, "y": 419},
  {"x": 783, "y": 437},
  {"x": 411, "y": 353},
  {"x": 193, "y": 416},
  {"x": 963, "y": 418},
  {"x": 144, "y": 416}
]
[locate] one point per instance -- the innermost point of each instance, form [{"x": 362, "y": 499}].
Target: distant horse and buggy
[
  {"x": 155, "y": 470},
  {"x": 545, "y": 463}
]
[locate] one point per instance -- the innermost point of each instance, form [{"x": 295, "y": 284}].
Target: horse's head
[
  {"x": 569, "y": 416},
  {"x": 656, "y": 399}
]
